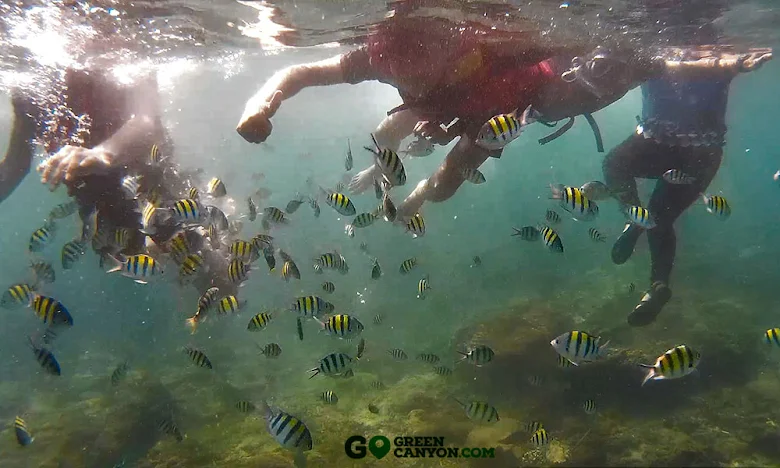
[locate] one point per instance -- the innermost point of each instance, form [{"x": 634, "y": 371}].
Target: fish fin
[
  {"x": 117, "y": 263},
  {"x": 650, "y": 374},
  {"x": 529, "y": 116},
  {"x": 557, "y": 191},
  {"x": 141, "y": 281},
  {"x": 192, "y": 322}
]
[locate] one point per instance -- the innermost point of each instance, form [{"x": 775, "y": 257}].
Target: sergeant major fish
[
  {"x": 139, "y": 267},
  {"x": 639, "y": 216},
  {"x": 502, "y": 129},
  {"x": 717, "y": 205},
  {"x": 575, "y": 202},
  {"x": 339, "y": 202},
  {"x": 673, "y": 364},
  {"x": 333, "y": 363},
  {"x": 473, "y": 175},
  {"x": 578, "y": 346},
  {"x": 389, "y": 163},
  {"x": 216, "y": 188},
  {"x": 551, "y": 239},
  {"x": 678, "y": 177}
]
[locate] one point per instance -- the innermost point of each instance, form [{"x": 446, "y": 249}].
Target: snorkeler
[
  {"x": 682, "y": 128},
  {"x": 101, "y": 132},
  {"x": 446, "y": 71}
]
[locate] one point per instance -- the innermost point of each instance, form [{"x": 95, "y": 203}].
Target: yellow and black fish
[
  {"x": 389, "y": 163},
  {"x": 23, "y": 436},
  {"x": 17, "y": 295},
  {"x": 51, "y": 311},
  {"x": 363, "y": 220},
  {"x": 193, "y": 193},
  {"x": 540, "y": 438},
  {"x": 271, "y": 350},
  {"x": 180, "y": 246},
  {"x": 639, "y": 216},
  {"x": 407, "y": 265},
  {"x": 244, "y": 251},
  {"x": 772, "y": 336},
  {"x": 311, "y": 306},
  {"x": 290, "y": 270},
  {"x": 422, "y": 288},
  {"x": 479, "y": 355},
  {"x": 259, "y": 321},
  {"x": 416, "y": 225},
  {"x": 216, "y": 188},
  {"x": 551, "y": 239},
  {"x": 262, "y": 242},
  {"x": 589, "y": 406},
  {"x": 329, "y": 397},
  {"x": 289, "y": 431},
  {"x": 473, "y": 175},
  {"x": 188, "y": 210},
  {"x": 673, "y": 364},
  {"x": 717, "y": 205},
  {"x": 40, "y": 238},
  {"x": 575, "y": 202},
  {"x": 238, "y": 271},
  {"x": 480, "y": 411},
  {"x": 198, "y": 357},
  {"x": 333, "y": 363},
  {"x": 230, "y": 304},
  {"x": 552, "y": 217},
  {"x": 46, "y": 359},
  {"x": 342, "y": 326},
  {"x": 139, "y": 267},
  {"x": 596, "y": 235},
  {"x": 245, "y": 406},
  {"x": 154, "y": 155},
  {"x": 502, "y": 129},
  {"x": 191, "y": 264},
  {"x": 527, "y": 233},
  {"x": 71, "y": 252},
  {"x": 328, "y": 287},
  {"x": 339, "y": 202},
  {"x": 275, "y": 215}
]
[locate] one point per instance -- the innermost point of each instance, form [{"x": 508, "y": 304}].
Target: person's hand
[
  {"x": 753, "y": 61},
  {"x": 432, "y": 131},
  {"x": 71, "y": 162},
  {"x": 255, "y": 125}
]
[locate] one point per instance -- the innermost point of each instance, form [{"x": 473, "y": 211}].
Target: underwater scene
[{"x": 413, "y": 233}]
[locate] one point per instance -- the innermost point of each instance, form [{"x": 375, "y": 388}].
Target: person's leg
[
  {"x": 667, "y": 203},
  {"x": 448, "y": 177},
  {"x": 389, "y": 134},
  {"x": 632, "y": 158}
]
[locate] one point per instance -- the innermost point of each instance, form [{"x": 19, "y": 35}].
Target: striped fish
[
  {"x": 299, "y": 327},
  {"x": 238, "y": 271},
  {"x": 364, "y": 220},
  {"x": 502, "y": 129},
  {"x": 259, "y": 321},
  {"x": 294, "y": 204},
  {"x": 274, "y": 215},
  {"x": 479, "y": 355},
  {"x": 271, "y": 350},
  {"x": 154, "y": 155},
  {"x": 416, "y": 225},
  {"x": 551, "y": 239},
  {"x": 596, "y": 235},
  {"x": 533, "y": 426},
  {"x": 342, "y": 326},
  {"x": 167, "y": 426},
  {"x": 40, "y": 238},
  {"x": 376, "y": 270},
  {"x": 43, "y": 271},
  {"x": 140, "y": 267},
  {"x": 198, "y": 357},
  {"x": 540, "y": 438},
  {"x": 422, "y": 288},
  {"x": 589, "y": 406},
  {"x": 71, "y": 252},
  {"x": 334, "y": 261},
  {"x": 329, "y": 397},
  {"x": 130, "y": 186},
  {"x": 328, "y": 287},
  {"x": 188, "y": 210},
  {"x": 230, "y": 305},
  {"x": 244, "y": 251},
  {"x": 442, "y": 370},
  {"x": 315, "y": 207},
  {"x": 190, "y": 266},
  {"x": 245, "y": 406},
  {"x": 17, "y": 295},
  {"x": 480, "y": 411},
  {"x": 348, "y": 161},
  {"x": 527, "y": 233},
  {"x": 333, "y": 363},
  {"x": 564, "y": 363},
  {"x": 216, "y": 216},
  {"x": 216, "y": 188},
  {"x": 428, "y": 358},
  {"x": 398, "y": 354},
  {"x": 252, "y": 209},
  {"x": 289, "y": 431},
  {"x": 552, "y": 217},
  {"x": 51, "y": 311},
  {"x": 377, "y": 319},
  {"x": 193, "y": 193},
  {"x": 772, "y": 336},
  {"x": 349, "y": 230},
  {"x": 149, "y": 217},
  {"x": 290, "y": 270},
  {"x": 339, "y": 202},
  {"x": 46, "y": 359},
  {"x": 578, "y": 346},
  {"x": 207, "y": 300},
  {"x": 23, "y": 436},
  {"x": 639, "y": 216},
  {"x": 311, "y": 306},
  {"x": 119, "y": 373},
  {"x": 673, "y": 364},
  {"x": 63, "y": 210},
  {"x": 389, "y": 163},
  {"x": 473, "y": 176},
  {"x": 678, "y": 177},
  {"x": 270, "y": 260},
  {"x": 407, "y": 265},
  {"x": 575, "y": 202},
  {"x": 717, "y": 205},
  {"x": 262, "y": 242}
]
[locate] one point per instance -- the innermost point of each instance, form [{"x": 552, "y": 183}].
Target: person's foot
[
  {"x": 650, "y": 305},
  {"x": 624, "y": 245}
]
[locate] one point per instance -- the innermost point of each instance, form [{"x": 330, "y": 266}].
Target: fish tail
[
  {"x": 314, "y": 371},
  {"x": 192, "y": 322},
  {"x": 557, "y": 191},
  {"x": 117, "y": 264},
  {"x": 650, "y": 373},
  {"x": 528, "y": 117}
]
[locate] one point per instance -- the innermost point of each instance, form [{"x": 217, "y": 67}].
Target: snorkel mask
[{"x": 590, "y": 71}]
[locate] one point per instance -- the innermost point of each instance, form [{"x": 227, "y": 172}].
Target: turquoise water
[{"x": 520, "y": 298}]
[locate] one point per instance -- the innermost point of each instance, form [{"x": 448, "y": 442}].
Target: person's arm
[
  {"x": 352, "y": 67},
  {"x": 128, "y": 146},
  {"x": 708, "y": 63},
  {"x": 19, "y": 154}
]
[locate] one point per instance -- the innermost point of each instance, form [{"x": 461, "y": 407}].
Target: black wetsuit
[{"x": 682, "y": 127}]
